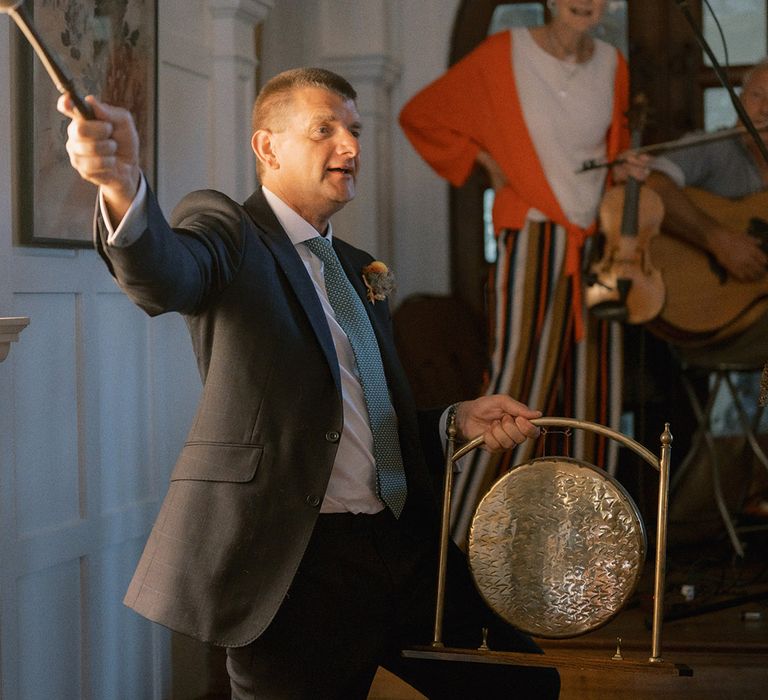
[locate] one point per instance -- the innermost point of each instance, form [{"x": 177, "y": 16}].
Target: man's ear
[{"x": 262, "y": 143}]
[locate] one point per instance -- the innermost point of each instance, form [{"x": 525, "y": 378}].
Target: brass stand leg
[{"x": 661, "y": 545}]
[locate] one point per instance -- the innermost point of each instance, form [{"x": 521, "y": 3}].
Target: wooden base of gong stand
[{"x": 552, "y": 659}]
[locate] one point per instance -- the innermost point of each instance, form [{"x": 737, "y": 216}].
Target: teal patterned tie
[{"x": 351, "y": 315}]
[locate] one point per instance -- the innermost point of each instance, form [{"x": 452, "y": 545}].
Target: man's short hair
[{"x": 270, "y": 108}]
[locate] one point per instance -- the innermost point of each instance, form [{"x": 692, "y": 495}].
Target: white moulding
[{"x": 10, "y": 329}]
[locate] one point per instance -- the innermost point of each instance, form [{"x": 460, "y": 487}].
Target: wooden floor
[{"x": 721, "y": 634}]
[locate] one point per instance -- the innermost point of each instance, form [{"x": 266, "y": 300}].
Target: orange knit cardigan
[{"x": 475, "y": 106}]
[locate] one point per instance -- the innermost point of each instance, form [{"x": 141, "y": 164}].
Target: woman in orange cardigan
[{"x": 531, "y": 105}]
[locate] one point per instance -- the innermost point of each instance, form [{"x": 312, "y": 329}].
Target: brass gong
[{"x": 557, "y": 547}]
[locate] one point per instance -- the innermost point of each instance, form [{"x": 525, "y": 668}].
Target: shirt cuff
[
  {"x": 134, "y": 222},
  {"x": 673, "y": 170}
]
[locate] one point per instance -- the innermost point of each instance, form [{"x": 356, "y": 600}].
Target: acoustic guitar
[{"x": 704, "y": 305}]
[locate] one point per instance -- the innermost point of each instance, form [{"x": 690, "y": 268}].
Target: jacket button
[
  {"x": 332, "y": 436},
  {"x": 313, "y": 501}
]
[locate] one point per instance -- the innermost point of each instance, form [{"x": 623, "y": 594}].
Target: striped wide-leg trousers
[{"x": 534, "y": 357}]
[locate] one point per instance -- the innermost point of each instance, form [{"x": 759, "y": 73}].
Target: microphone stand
[
  {"x": 63, "y": 82},
  {"x": 743, "y": 116}
]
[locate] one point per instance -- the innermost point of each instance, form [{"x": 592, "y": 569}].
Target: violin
[{"x": 623, "y": 285}]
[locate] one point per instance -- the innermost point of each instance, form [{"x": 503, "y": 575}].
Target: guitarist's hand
[{"x": 739, "y": 253}]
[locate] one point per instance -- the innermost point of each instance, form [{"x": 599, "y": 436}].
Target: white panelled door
[{"x": 95, "y": 401}]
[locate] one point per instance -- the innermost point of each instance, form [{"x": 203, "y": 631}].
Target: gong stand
[{"x": 573, "y": 471}]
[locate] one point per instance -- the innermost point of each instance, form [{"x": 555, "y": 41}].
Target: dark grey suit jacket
[{"x": 246, "y": 490}]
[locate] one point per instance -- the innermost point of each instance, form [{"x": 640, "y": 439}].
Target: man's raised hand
[{"x": 105, "y": 151}]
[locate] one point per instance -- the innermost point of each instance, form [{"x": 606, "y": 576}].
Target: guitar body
[{"x": 703, "y": 305}]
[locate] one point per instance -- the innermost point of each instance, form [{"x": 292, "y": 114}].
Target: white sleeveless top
[{"x": 567, "y": 108}]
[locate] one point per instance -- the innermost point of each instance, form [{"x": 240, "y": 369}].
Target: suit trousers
[{"x": 365, "y": 590}]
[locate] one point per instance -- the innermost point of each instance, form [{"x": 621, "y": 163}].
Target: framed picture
[{"x": 109, "y": 48}]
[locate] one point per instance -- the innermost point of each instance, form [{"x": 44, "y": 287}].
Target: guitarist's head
[{"x": 754, "y": 94}]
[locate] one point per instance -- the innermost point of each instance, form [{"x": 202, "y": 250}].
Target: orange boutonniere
[{"x": 379, "y": 281}]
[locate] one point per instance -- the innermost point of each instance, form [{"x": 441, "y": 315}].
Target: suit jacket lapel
[{"x": 289, "y": 261}]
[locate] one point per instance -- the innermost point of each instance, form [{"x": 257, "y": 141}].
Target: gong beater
[{"x": 556, "y": 548}]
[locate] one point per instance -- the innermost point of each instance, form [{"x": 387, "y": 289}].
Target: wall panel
[
  {"x": 121, "y": 642},
  {"x": 185, "y": 143},
  {"x": 49, "y": 650},
  {"x": 47, "y": 466},
  {"x": 122, "y": 371}
]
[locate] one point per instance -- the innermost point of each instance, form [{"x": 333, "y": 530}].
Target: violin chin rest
[{"x": 610, "y": 311}]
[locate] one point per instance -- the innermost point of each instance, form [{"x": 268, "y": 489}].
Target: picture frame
[{"x": 109, "y": 48}]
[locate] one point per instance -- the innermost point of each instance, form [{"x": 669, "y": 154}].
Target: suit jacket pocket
[{"x": 217, "y": 461}]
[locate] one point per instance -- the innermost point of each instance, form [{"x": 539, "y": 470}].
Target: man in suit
[{"x": 282, "y": 536}]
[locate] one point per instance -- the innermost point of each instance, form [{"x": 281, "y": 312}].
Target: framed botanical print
[{"x": 109, "y": 49}]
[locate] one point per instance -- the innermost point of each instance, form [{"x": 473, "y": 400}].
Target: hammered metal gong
[{"x": 557, "y": 547}]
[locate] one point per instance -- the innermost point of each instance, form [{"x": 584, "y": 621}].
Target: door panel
[{"x": 96, "y": 402}]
